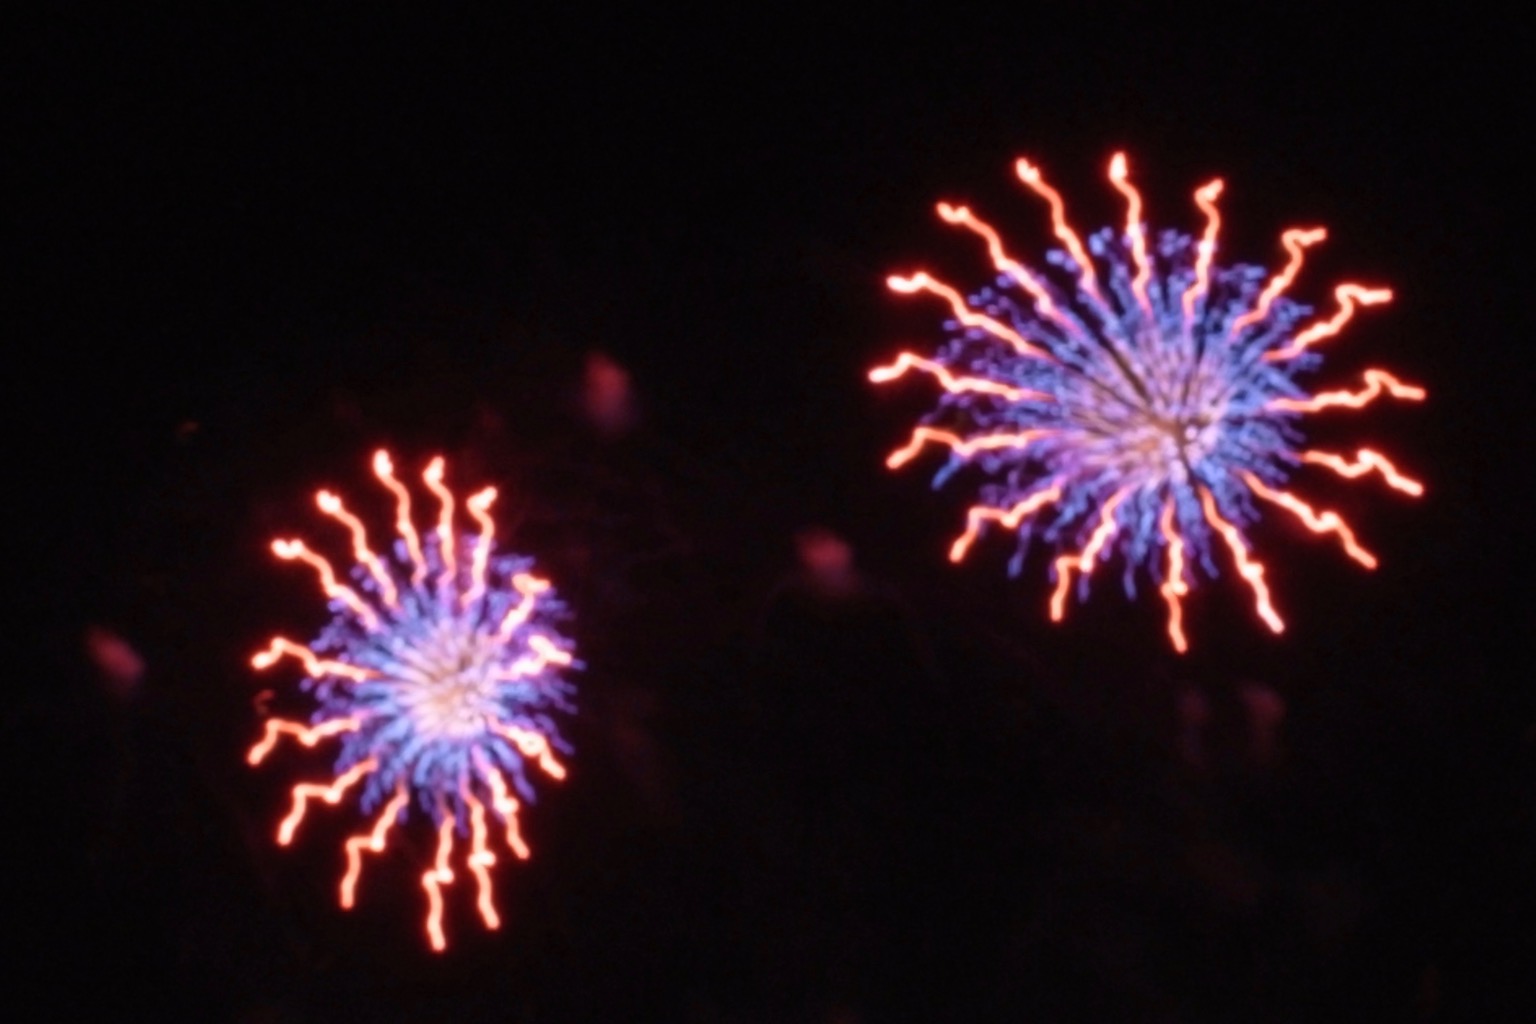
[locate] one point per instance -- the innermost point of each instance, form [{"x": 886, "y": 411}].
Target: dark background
[{"x": 250, "y": 250}]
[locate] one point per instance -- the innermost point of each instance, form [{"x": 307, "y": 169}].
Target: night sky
[{"x": 249, "y": 252}]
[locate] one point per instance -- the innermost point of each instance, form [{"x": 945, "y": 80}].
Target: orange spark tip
[
  {"x": 1250, "y": 569},
  {"x": 1174, "y": 588},
  {"x": 1348, "y": 296},
  {"x": 1083, "y": 560},
  {"x": 1377, "y": 383},
  {"x": 1317, "y": 522},
  {"x": 1366, "y": 461}
]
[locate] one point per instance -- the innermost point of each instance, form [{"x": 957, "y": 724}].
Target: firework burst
[
  {"x": 1139, "y": 399},
  {"x": 438, "y": 675}
]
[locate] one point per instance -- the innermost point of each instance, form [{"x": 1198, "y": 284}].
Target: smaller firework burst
[{"x": 439, "y": 675}]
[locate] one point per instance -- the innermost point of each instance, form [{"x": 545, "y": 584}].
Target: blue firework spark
[
  {"x": 440, "y": 674},
  {"x": 1136, "y": 399}
]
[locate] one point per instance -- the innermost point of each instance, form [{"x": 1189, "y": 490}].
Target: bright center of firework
[
  {"x": 1142, "y": 406},
  {"x": 447, "y": 687},
  {"x": 441, "y": 671}
]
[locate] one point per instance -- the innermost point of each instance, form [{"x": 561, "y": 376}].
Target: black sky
[{"x": 251, "y": 249}]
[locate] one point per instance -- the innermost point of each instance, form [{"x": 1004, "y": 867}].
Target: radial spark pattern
[
  {"x": 1138, "y": 399},
  {"x": 438, "y": 676}
]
